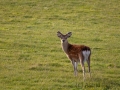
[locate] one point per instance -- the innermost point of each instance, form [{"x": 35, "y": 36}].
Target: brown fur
[{"x": 74, "y": 50}]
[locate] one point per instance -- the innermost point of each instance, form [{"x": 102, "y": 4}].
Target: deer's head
[{"x": 63, "y": 37}]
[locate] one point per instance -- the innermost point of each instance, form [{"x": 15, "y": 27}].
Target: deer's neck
[{"x": 65, "y": 46}]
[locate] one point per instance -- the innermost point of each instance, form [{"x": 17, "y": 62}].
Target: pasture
[{"x": 31, "y": 57}]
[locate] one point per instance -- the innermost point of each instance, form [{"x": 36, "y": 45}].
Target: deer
[{"x": 76, "y": 53}]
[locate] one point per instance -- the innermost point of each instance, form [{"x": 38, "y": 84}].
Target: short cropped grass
[{"x": 31, "y": 57}]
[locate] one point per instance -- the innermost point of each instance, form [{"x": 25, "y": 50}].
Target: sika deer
[{"x": 76, "y": 53}]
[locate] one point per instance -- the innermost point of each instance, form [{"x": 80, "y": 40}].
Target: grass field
[{"x": 31, "y": 57}]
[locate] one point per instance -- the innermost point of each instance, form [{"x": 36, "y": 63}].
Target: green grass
[{"x": 31, "y": 57}]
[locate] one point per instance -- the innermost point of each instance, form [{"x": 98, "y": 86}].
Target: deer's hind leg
[
  {"x": 82, "y": 65},
  {"x": 83, "y": 68},
  {"x": 88, "y": 62}
]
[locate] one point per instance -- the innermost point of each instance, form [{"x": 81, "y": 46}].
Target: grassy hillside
[{"x": 31, "y": 57}]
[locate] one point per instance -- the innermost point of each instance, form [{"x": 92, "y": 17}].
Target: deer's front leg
[{"x": 75, "y": 67}]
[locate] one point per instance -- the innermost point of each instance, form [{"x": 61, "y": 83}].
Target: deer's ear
[
  {"x": 59, "y": 34},
  {"x": 69, "y": 34}
]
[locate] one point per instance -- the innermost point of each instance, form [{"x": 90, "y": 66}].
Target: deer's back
[{"x": 75, "y": 50}]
